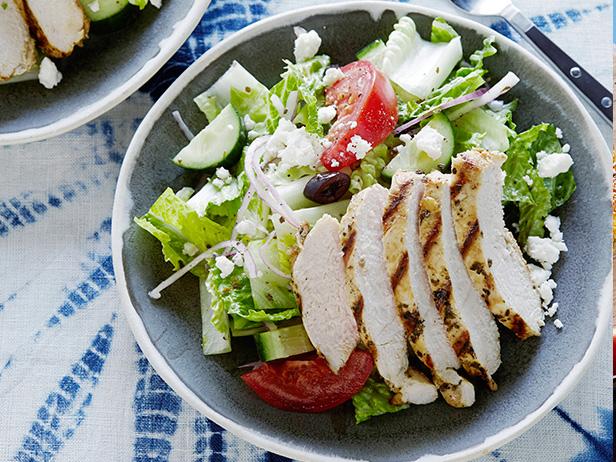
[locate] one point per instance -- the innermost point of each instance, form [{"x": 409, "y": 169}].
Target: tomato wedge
[
  {"x": 366, "y": 106},
  {"x": 307, "y": 384}
]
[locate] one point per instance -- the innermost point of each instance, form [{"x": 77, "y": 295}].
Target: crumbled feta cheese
[
  {"x": 248, "y": 122},
  {"x": 554, "y": 164},
  {"x": 566, "y": 148},
  {"x": 295, "y": 147},
  {"x": 156, "y": 3},
  {"x": 238, "y": 260},
  {"x": 307, "y": 45},
  {"x": 405, "y": 138},
  {"x": 430, "y": 141},
  {"x": 544, "y": 250},
  {"x": 528, "y": 180},
  {"x": 551, "y": 311},
  {"x": 218, "y": 183},
  {"x": 359, "y": 147},
  {"x": 94, "y": 6},
  {"x": 353, "y": 124},
  {"x": 558, "y": 324},
  {"x": 559, "y": 133},
  {"x": 332, "y": 75},
  {"x": 246, "y": 227},
  {"x": 552, "y": 224},
  {"x": 326, "y": 114},
  {"x": 326, "y": 143},
  {"x": 224, "y": 265},
  {"x": 542, "y": 155},
  {"x": 222, "y": 173},
  {"x": 49, "y": 76},
  {"x": 190, "y": 249},
  {"x": 496, "y": 105},
  {"x": 334, "y": 163}
]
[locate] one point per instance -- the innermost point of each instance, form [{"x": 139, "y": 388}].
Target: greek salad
[
  {"x": 33, "y": 32},
  {"x": 368, "y": 223}
]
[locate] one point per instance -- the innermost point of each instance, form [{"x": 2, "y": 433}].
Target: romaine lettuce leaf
[
  {"x": 269, "y": 290},
  {"x": 220, "y": 199},
  {"x": 534, "y": 197},
  {"x": 482, "y": 128},
  {"x": 175, "y": 224},
  {"x": 442, "y": 31},
  {"x": 374, "y": 399},
  {"x": 235, "y": 295}
]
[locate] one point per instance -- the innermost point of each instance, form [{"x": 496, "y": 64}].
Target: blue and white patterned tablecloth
[{"x": 73, "y": 384}]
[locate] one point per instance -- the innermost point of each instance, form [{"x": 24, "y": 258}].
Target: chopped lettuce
[
  {"x": 370, "y": 169},
  {"x": 533, "y": 196},
  {"x": 140, "y": 3},
  {"x": 208, "y": 105},
  {"x": 463, "y": 81},
  {"x": 415, "y": 65},
  {"x": 235, "y": 296},
  {"x": 442, "y": 31},
  {"x": 269, "y": 290},
  {"x": 308, "y": 78},
  {"x": 215, "y": 338},
  {"x": 374, "y": 399},
  {"x": 175, "y": 224},
  {"x": 220, "y": 198},
  {"x": 483, "y": 128}
]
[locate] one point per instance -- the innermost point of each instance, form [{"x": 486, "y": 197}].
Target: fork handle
[{"x": 598, "y": 95}]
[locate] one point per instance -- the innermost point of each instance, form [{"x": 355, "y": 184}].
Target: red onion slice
[
  {"x": 441, "y": 107},
  {"x": 183, "y": 127}
]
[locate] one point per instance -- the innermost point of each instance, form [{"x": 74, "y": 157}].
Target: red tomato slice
[
  {"x": 366, "y": 106},
  {"x": 307, "y": 384}
]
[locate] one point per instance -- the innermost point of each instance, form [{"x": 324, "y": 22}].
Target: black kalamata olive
[{"x": 325, "y": 188}]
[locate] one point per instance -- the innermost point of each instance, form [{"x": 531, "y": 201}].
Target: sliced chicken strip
[
  {"x": 381, "y": 328},
  {"x": 424, "y": 327},
  {"x": 58, "y": 26},
  {"x": 491, "y": 255},
  {"x": 17, "y": 51},
  {"x": 431, "y": 239},
  {"x": 319, "y": 280}
]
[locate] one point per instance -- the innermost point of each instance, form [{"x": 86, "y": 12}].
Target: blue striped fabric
[{"x": 73, "y": 384}]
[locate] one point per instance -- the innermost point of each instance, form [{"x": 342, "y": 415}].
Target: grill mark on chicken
[
  {"x": 401, "y": 270},
  {"x": 470, "y": 238},
  {"x": 348, "y": 245},
  {"x": 395, "y": 199}
]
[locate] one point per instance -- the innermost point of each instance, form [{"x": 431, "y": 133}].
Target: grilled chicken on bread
[
  {"x": 58, "y": 25},
  {"x": 424, "y": 327},
  {"x": 491, "y": 255},
  {"x": 472, "y": 331},
  {"x": 320, "y": 284},
  {"x": 381, "y": 329},
  {"x": 17, "y": 51}
]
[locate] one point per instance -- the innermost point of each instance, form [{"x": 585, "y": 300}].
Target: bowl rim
[
  {"x": 121, "y": 221},
  {"x": 181, "y": 30}
]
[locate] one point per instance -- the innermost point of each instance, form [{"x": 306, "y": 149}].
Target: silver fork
[{"x": 596, "y": 93}]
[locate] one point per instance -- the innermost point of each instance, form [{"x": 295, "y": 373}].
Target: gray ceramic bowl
[
  {"x": 535, "y": 375},
  {"x": 106, "y": 71}
]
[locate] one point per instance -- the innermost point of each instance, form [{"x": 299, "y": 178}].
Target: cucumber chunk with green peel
[
  {"x": 373, "y": 52},
  {"x": 109, "y": 15},
  {"x": 430, "y": 149},
  {"x": 283, "y": 342},
  {"x": 219, "y": 144}
]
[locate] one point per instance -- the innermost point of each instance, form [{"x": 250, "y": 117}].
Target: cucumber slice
[
  {"x": 218, "y": 144},
  {"x": 413, "y": 158},
  {"x": 282, "y": 343},
  {"x": 235, "y": 77},
  {"x": 98, "y": 10},
  {"x": 372, "y": 52},
  {"x": 312, "y": 214}
]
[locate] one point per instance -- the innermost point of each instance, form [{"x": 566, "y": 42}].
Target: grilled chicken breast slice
[
  {"x": 435, "y": 263},
  {"x": 58, "y": 26},
  {"x": 381, "y": 328},
  {"x": 319, "y": 280},
  {"x": 491, "y": 255},
  {"x": 424, "y": 327},
  {"x": 17, "y": 51}
]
